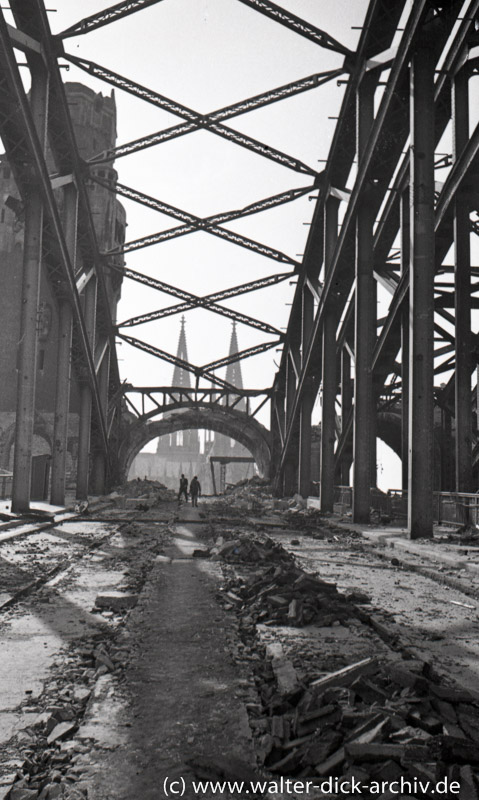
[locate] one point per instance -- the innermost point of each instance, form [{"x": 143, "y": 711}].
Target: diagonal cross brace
[
  {"x": 251, "y": 104},
  {"x": 298, "y": 25},
  {"x": 196, "y": 120},
  {"x": 208, "y": 302},
  {"x": 207, "y": 224},
  {"x": 222, "y": 233},
  {"x": 203, "y": 223},
  {"x": 110, "y": 14},
  {"x": 161, "y": 286},
  {"x": 171, "y": 359},
  {"x": 200, "y": 302},
  {"x": 242, "y": 354}
]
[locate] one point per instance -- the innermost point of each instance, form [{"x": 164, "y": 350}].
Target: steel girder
[
  {"x": 297, "y": 25},
  {"x": 207, "y": 224},
  {"x": 341, "y": 277},
  {"x": 194, "y": 119},
  {"x": 228, "y": 112},
  {"x": 208, "y": 302},
  {"x": 110, "y": 14},
  {"x": 205, "y": 371},
  {"x": 172, "y": 397}
]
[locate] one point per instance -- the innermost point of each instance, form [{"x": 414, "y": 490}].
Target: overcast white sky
[{"x": 207, "y": 54}]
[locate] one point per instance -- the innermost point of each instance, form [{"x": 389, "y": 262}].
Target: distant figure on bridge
[
  {"x": 183, "y": 488},
  {"x": 195, "y": 490}
]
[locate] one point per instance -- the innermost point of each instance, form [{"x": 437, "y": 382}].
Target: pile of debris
[
  {"x": 260, "y": 487},
  {"x": 249, "y": 550},
  {"x": 142, "y": 494},
  {"x": 49, "y": 769},
  {"x": 371, "y": 722},
  {"x": 284, "y": 594}
]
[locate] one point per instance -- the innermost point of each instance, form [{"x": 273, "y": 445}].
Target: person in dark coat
[
  {"x": 195, "y": 490},
  {"x": 183, "y": 490}
]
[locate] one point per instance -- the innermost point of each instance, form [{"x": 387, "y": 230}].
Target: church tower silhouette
[{"x": 182, "y": 451}]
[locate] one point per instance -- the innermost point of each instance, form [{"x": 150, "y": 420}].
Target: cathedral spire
[
  {"x": 180, "y": 376},
  {"x": 233, "y": 371}
]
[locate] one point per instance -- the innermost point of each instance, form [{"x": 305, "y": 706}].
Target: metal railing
[
  {"x": 456, "y": 508},
  {"x": 6, "y": 479}
]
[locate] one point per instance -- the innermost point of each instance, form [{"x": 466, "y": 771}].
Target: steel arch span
[{"x": 245, "y": 430}]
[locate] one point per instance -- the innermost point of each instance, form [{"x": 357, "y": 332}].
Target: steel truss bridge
[{"x": 383, "y": 218}]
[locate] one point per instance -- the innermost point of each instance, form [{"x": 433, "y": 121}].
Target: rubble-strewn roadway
[{"x": 146, "y": 647}]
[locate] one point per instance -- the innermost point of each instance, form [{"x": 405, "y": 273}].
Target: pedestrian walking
[
  {"x": 195, "y": 490},
  {"x": 183, "y": 490}
]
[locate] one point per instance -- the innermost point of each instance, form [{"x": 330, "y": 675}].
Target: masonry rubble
[{"x": 376, "y": 720}]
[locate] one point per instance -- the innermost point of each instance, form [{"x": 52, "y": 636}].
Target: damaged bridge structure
[{"x": 381, "y": 324}]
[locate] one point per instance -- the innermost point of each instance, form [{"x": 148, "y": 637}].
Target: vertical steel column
[
  {"x": 421, "y": 296},
  {"x": 27, "y": 346},
  {"x": 278, "y": 424},
  {"x": 289, "y": 474},
  {"x": 274, "y": 431},
  {"x": 405, "y": 258},
  {"x": 373, "y": 454},
  {"x": 98, "y": 477},
  {"x": 89, "y": 312},
  {"x": 346, "y": 406},
  {"x": 462, "y": 294},
  {"x": 329, "y": 379},
  {"x": 99, "y": 461},
  {"x": 307, "y": 402},
  {"x": 364, "y": 318},
  {"x": 65, "y": 327}
]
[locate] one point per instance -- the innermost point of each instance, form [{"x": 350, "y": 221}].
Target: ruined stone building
[{"x": 94, "y": 120}]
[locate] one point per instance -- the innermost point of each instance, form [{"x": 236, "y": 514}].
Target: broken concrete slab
[{"x": 116, "y": 601}]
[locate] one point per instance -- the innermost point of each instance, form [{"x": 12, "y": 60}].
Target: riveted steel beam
[
  {"x": 204, "y": 372},
  {"x": 105, "y": 17},
  {"x": 196, "y": 120},
  {"x": 242, "y": 354},
  {"x": 298, "y": 25},
  {"x": 242, "y": 107},
  {"x": 224, "y": 294}
]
